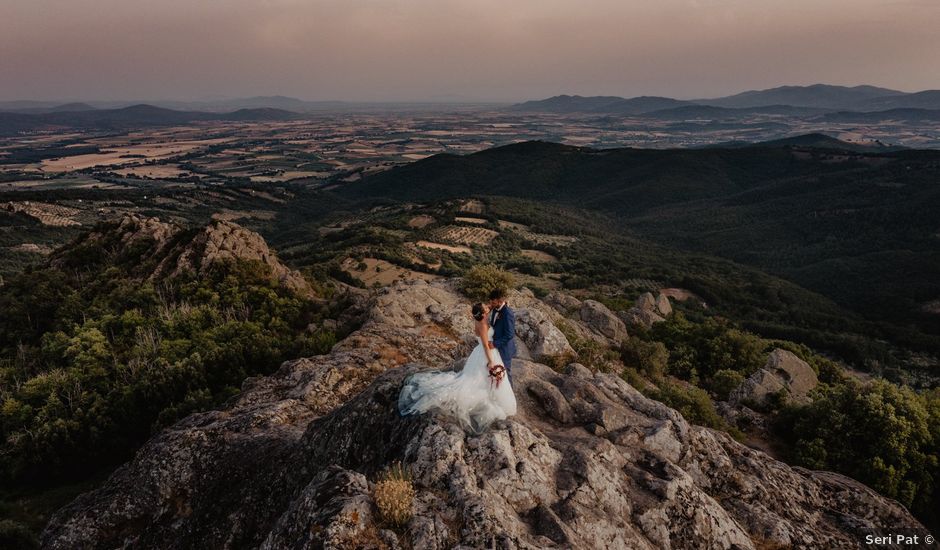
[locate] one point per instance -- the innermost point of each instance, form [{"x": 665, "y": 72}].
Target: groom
[{"x": 503, "y": 321}]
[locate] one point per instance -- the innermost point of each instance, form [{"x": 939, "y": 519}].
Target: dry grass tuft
[{"x": 394, "y": 496}]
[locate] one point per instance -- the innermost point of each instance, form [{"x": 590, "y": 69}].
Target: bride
[{"x": 475, "y": 396}]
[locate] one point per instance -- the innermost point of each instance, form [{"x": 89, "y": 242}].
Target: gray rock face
[
  {"x": 563, "y": 303},
  {"x": 648, "y": 310},
  {"x": 783, "y": 372},
  {"x": 539, "y": 334},
  {"x": 640, "y": 317},
  {"x": 218, "y": 241},
  {"x": 603, "y": 321},
  {"x": 646, "y": 301},
  {"x": 224, "y": 240},
  {"x": 588, "y": 462},
  {"x": 662, "y": 305}
]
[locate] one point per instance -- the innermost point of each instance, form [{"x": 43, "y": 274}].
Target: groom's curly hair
[{"x": 498, "y": 294}]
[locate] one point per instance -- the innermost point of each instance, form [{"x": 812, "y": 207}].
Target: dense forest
[{"x": 94, "y": 358}]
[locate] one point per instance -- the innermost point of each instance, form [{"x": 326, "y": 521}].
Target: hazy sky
[{"x": 458, "y": 50}]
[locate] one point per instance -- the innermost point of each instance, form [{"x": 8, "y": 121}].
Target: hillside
[
  {"x": 905, "y": 114},
  {"x": 783, "y": 100},
  {"x": 588, "y": 462},
  {"x": 859, "y": 228},
  {"x": 816, "y": 95},
  {"x": 596, "y": 104}
]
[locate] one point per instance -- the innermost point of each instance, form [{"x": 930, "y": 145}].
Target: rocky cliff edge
[{"x": 588, "y": 462}]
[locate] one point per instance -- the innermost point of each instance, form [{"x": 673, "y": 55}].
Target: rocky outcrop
[
  {"x": 565, "y": 304},
  {"x": 172, "y": 250},
  {"x": 648, "y": 310},
  {"x": 588, "y": 462},
  {"x": 224, "y": 240},
  {"x": 784, "y": 374},
  {"x": 540, "y": 335},
  {"x": 662, "y": 305},
  {"x": 603, "y": 321}
]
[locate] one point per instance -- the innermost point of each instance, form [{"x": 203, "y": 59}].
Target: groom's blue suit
[{"x": 503, "y": 321}]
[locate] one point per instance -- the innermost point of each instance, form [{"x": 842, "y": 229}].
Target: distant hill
[
  {"x": 264, "y": 113},
  {"x": 694, "y": 111},
  {"x": 822, "y": 141},
  {"x": 783, "y": 100},
  {"x": 65, "y": 107},
  {"x": 134, "y": 115},
  {"x": 258, "y": 102},
  {"x": 812, "y": 141},
  {"x": 860, "y": 229},
  {"x": 817, "y": 95},
  {"x": 928, "y": 99},
  {"x": 900, "y": 114},
  {"x": 597, "y": 104}
]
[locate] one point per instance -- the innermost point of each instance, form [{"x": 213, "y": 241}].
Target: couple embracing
[{"x": 481, "y": 393}]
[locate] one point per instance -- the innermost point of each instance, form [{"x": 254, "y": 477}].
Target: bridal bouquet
[{"x": 496, "y": 373}]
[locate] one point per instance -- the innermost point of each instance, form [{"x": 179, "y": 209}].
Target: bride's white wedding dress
[{"x": 470, "y": 396}]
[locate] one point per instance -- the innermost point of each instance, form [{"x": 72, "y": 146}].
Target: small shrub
[
  {"x": 724, "y": 382},
  {"x": 650, "y": 358},
  {"x": 394, "y": 496},
  {"x": 480, "y": 280},
  {"x": 558, "y": 361},
  {"x": 632, "y": 377},
  {"x": 693, "y": 404}
]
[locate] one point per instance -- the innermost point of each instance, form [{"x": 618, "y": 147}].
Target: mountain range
[{"x": 805, "y": 99}]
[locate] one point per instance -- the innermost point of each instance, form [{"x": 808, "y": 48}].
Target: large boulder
[
  {"x": 646, "y": 301},
  {"x": 648, "y": 310},
  {"x": 588, "y": 462},
  {"x": 640, "y": 317},
  {"x": 784, "y": 373},
  {"x": 663, "y": 307},
  {"x": 540, "y": 335},
  {"x": 603, "y": 321},
  {"x": 565, "y": 304}
]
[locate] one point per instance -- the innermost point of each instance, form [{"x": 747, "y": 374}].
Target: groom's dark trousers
[{"x": 503, "y": 321}]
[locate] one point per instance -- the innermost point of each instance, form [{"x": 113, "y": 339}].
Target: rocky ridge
[
  {"x": 176, "y": 250},
  {"x": 588, "y": 462}
]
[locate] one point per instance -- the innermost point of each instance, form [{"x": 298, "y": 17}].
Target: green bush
[
  {"x": 480, "y": 280},
  {"x": 692, "y": 402},
  {"x": 725, "y": 381},
  {"x": 92, "y": 365},
  {"x": 881, "y": 434},
  {"x": 650, "y": 358}
]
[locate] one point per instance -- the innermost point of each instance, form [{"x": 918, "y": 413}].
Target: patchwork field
[
  {"x": 466, "y": 235},
  {"x": 540, "y": 238},
  {"x": 472, "y": 207},
  {"x": 47, "y": 214},
  {"x": 420, "y": 222},
  {"x": 447, "y": 247},
  {"x": 373, "y": 271},
  {"x": 538, "y": 256}
]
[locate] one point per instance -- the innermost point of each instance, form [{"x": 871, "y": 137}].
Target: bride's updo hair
[{"x": 478, "y": 311}]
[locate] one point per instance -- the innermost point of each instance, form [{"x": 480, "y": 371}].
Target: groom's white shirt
[{"x": 495, "y": 313}]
